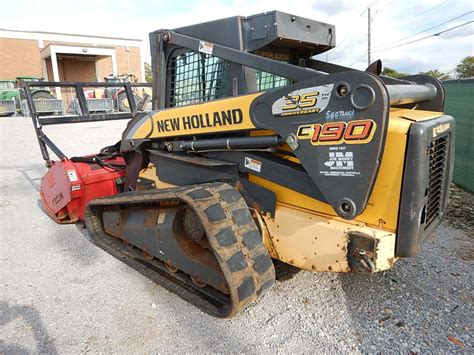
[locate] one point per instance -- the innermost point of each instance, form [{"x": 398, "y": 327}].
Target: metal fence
[
  {"x": 460, "y": 105},
  {"x": 7, "y": 107},
  {"x": 44, "y": 106},
  {"x": 94, "y": 105}
]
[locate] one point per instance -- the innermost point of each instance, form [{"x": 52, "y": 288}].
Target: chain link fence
[{"x": 460, "y": 105}]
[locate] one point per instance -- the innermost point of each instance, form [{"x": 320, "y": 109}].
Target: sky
[{"x": 394, "y": 23}]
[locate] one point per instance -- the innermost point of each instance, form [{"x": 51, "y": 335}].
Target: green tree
[
  {"x": 148, "y": 73},
  {"x": 465, "y": 69},
  {"x": 392, "y": 73},
  {"x": 435, "y": 73}
]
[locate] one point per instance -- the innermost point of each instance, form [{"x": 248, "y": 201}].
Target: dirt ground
[{"x": 460, "y": 215}]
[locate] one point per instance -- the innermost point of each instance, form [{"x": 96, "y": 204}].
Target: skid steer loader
[{"x": 254, "y": 154}]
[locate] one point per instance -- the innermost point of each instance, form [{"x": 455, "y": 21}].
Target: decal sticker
[
  {"x": 212, "y": 116},
  {"x": 285, "y": 57},
  {"x": 330, "y": 133},
  {"x": 303, "y": 101},
  {"x": 57, "y": 199},
  {"x": 161, "y": 218},
  {"x": 339, "y": 162},
  {"x": 253, "y": 164},
  {"x": 440, "y": 129},
  {"x": 206, "y": 120},
  {"x": 75, "y": 187},
  {"x": 72, "y": 175},
  {"x": 206, "y": 47}
]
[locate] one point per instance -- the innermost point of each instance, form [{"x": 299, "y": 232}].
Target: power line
[
  {"x": 369, "y": 19},
  {"x": 350, "y": 33},
  {"x": 415, "y": 40},
  {"x": 410, "y": 19},
  {"x": 383, "y": 7},
  {"x": 428, "y": 29},
  {"x": 420, "y": 39},
  {"x": 356, "y": 38},
  {"x": 367, "y": 6},
  {"x": 380, "y": 48},
  {"x": 357, "y": 42},
  {"x": 358, "y": 58}
]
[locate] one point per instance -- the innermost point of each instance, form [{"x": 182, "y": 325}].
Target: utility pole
[{"x": 368, "y": 35}]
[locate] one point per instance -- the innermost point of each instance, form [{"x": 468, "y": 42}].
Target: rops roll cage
[{"x": 404, "y": 91}]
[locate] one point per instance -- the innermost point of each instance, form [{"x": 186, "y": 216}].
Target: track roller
[{"x": 198, "y": 241}]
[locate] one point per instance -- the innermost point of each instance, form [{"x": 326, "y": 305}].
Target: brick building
[{"x": 67, "y": 57}]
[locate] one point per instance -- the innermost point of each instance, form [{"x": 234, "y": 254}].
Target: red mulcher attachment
[{"x": 69, "y": 185}]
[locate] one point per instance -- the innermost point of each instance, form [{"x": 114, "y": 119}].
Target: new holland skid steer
[{"x": 255, "y": 154}]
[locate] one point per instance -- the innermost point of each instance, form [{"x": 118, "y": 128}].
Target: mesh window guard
[
  {"x": 197, "y": 77},
  {"x": 267, "y": 81}
]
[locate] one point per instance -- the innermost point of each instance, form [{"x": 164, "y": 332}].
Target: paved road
[{"x": 62, "y": 294}]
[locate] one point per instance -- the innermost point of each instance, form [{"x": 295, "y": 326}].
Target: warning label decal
[
  {"x": 206, "y": 47},
  {"x": 253, "y": 164},
  {"x": 72, "y": 175}
]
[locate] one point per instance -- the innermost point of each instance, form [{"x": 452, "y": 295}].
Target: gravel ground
[{"x": 62, "y": 294}]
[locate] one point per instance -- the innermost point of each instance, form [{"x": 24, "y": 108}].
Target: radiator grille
[
  {"x": 197, "y": 77},
  {"x": 438, "y": 152}
]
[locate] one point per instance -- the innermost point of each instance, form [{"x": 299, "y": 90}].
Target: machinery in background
[
  {"x": 142, "y": 95},
  {"x": 12, "y": 94}
]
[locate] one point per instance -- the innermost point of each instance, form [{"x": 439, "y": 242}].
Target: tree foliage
[
  {"x": 465, "y": 69},
  {"x": 148, "y": 73},
  {"x": 435, "y": 73},
  {"x": 392, "y": 73}
]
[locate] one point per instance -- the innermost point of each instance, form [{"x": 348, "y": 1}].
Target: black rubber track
[{"x": 232, "y": 234}]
